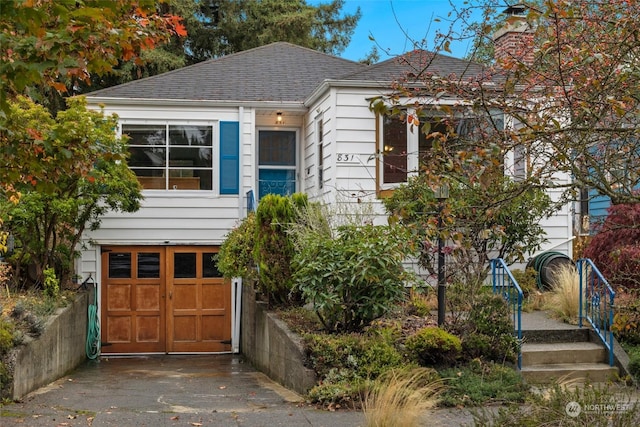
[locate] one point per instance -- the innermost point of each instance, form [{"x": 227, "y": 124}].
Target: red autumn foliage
[{"x": 615, "y": 249}]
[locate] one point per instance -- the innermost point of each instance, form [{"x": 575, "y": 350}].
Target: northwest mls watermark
[{"x": 574, "y": 409}]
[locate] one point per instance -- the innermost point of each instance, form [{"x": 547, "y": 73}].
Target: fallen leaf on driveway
[{"x": 196, "y": 424}]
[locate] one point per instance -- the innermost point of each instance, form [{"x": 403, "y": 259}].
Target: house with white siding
[{"x": 206, "y": 142}]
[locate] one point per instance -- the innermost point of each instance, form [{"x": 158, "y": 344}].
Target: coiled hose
[{"x": 93, "y": 327}]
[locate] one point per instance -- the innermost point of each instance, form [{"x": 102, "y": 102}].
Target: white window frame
[{"x": 215, "y": 155}]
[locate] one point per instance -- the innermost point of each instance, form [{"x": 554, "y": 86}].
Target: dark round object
[{"x": 546, "y": 265}]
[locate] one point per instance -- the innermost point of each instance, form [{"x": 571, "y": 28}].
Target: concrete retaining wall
[
  {"x": 57, "y": 351},
  {"x": 271, "y": 347}
]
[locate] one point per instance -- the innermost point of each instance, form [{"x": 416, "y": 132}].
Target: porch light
[{"x": 279, "y": 119}]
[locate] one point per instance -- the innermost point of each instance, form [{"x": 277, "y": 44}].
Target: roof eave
[{"x": 285, "y": 105}]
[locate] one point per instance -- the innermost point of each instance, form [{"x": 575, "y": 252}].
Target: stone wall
[
  {"x": 271, "y": 347},
  {"x": 60, "y": 349}
]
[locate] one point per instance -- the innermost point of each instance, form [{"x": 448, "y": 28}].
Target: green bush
[
  {"x": 354, "y": 278},
  {"x": 488, "y": 332},
  {"x": 634, "y": 366},
  {"x": 481, "y": 383},
  {"x": 6, "y": 336},
  {"x": 433, "y": 346},
  {"x": 526, "y": 280},
  {"x": 235, "y": 258},
  {"x": 274, "y": 250},
  {"x": 346, "y": 363}
]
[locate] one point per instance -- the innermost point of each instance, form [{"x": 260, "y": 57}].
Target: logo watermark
[{"x": 574, "y": 409}]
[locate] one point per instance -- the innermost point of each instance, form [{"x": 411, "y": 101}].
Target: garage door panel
[
  {"x": 213, "y": 328},
  {"x": 185, "y": 296},
  {"x": 148, "y": 329},
  {"x": 119, "y": 297},
  {"x": 185, "y": 328},
  {"x": 213, "y": 295},
  {"x": 148, "y": 297},
  {"x": 118, "y": 329}
]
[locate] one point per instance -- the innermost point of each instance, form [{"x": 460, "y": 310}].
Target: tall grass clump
[
  {"x": 564, "y": 299},
  {"x": 399, "y": 397}
]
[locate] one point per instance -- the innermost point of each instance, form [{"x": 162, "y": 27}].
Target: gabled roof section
[
  {"x": 280, "y": 71},
  {"x": 414, "y": 64}
]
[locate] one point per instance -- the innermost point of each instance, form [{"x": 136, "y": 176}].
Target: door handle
[{"x": 170, "y": 294}]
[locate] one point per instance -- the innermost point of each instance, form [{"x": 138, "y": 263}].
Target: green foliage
[
  {"x": 273, "y": 250},
  {"x": 87, "y": 175},
  {"x": 355, "y": 277},
  {"x": 480, "y": 383},
  {"x": 51, "y": 283},
  {"x": 634, "y": 366},
  {"x": 246, "y": 24},
  {"x": 6, "y": 336},
  {"x": 600, "y": 405},
  {"x": 491, "y": 217},
  {"x": 626, "y": 321},
  {"x": 346, "y": 363},
  {"x": 526, "y": 279},
  {"x": 235, "y": 258},
  {"x": 56, "y": 45},
  {"x": 488, "y": 333},
  {"x": 615, "y": 249},
  {"x": 433, "y": 346}
]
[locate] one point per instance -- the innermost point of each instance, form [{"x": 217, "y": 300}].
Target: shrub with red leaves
[{"x": 615, "y": 249}]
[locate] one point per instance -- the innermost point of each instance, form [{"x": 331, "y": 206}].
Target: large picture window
[{"x": 171, "y": 157}]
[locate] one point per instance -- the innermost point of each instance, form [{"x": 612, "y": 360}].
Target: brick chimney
[{"x": 513, "y": 43}]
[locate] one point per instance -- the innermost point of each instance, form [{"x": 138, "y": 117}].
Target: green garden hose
[{"x": 93, "y": 327}]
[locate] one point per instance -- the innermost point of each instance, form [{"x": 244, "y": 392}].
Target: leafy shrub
[
  {"x": 634, "y": 366},
  {"x": 345, "y": 363},
  {"x": 6, "y": 336},
  {"x": 235, "y": 258},
  {"x": 615, "y": 249},
  {"x": 432, "y": 346},
  {"x": 626, "y": 321},
  {"x": 421, "y": 303},
  {"x": 488, "y": 330},
  {"x": 481, "y": 383},
  {"x": 354, "y": 278},
  {"x": 526, "y": 280},
  {"x": 51, "y": 283},
  {"x": 273, "y": 250}
]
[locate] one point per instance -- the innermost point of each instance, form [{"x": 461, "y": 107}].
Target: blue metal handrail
[
  {"x": 597, "y": 306},
  {"x": 505, "y": 285}
]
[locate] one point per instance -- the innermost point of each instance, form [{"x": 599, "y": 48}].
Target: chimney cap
[{"x": 518, "y": 9}]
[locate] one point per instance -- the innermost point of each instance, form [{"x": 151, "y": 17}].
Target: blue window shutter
[{"x": 229, "y": 158}]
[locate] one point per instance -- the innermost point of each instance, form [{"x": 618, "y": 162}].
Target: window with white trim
[
  {"x": 403, "y": 141},
  {"x": 171, "y": 157}
]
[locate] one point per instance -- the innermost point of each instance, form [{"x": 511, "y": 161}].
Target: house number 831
[{"x": 346, "y": 157}]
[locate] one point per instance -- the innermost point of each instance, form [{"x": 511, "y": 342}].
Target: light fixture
[{"x": 279, "y": 119}]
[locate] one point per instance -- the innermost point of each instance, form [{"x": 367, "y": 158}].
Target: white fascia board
[{"x": 289, "y": 106}]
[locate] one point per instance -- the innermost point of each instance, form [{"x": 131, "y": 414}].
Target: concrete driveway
[{"x": 212, "y": 390}]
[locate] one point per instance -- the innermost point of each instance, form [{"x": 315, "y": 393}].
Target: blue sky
[{"x": 414, "y": 16}]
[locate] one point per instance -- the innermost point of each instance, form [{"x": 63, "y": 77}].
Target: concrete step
[
  {"x": 547, "y": 336},
  {"x": 566, "y": 352},
  {"x": 592, "y": 372}
]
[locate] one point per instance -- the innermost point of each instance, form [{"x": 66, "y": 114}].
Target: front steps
[{"x": 563, "y": 353}]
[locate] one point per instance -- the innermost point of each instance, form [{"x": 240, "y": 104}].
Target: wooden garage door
[{"x": 164, "y": 299}]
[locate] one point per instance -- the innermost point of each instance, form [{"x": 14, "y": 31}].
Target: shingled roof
[
  {"x": 278, "y": 72},
  {"x": 275, "y": 72}
]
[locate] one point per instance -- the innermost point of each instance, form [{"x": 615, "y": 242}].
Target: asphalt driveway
[{"x": 212, "y": 390}]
